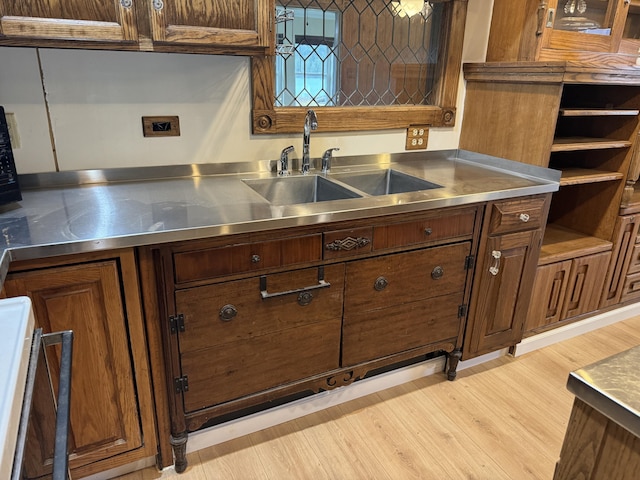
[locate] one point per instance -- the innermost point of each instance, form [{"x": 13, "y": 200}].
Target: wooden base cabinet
[{"x": 112, "y": 421}]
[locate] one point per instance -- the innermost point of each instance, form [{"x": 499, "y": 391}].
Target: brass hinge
[
  {"x": 176, "y": 323},
  {"x": 469, "y": 262},
  {"x": 181, "y": 384},
  {"x": 462, "y": 311}
]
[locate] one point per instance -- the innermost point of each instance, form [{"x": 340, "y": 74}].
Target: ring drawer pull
[
  {"x": 428, "y": 231},
  {"x": 380, "y": 284},
  {"x": 255, "y": 259},
  {"x": 524, "y": 217},
  {"x": 437, "y": 273},
  {"x": 495, "y": 268},
  {"x": 321, "y": 284},
  {"x": 228, "y": 312}
]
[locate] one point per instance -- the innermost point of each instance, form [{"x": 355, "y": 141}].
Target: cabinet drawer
[
  {"x": 634, "y": 264},
  {"x": 631, "y": 289},
  {"x": 454, "y": 225},
  {"x": 405, "y": 277},
  {"x": 369, "y": 335},
  {"x": 228, "y": 260},
  {"x": 516, "y": 215},
  {"x": 244, "y": 367},
  {"x": 233, "y": 311}
]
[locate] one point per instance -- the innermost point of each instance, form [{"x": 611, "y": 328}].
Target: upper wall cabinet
[
  {"x": 241, "y": 23},
  {"x": 88, "y": 20},
  {"x": 204, "y": 26},
  {"x": 603, "y": 31}
]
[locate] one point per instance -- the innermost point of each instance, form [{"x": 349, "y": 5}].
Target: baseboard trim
[{"x": 574, "y": 329}]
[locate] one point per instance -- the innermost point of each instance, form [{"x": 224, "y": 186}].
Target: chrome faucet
[
  {"x": 283, "y": 164},
  {"x": 310, "y": 123},
  {"x": 326, "y": 159}
]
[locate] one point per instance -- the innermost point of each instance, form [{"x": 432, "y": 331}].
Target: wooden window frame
[{"x": 268, "y": 119}]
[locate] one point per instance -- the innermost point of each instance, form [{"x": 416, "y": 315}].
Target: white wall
[{"x": 96, "y": 99}]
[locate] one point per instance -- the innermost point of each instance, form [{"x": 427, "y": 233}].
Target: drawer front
[
  {"x": 634, "y": 265},
  {"x": 516, "y": 215},
  {"x": 231, "y": 371},
  {"x": 405, "y": 277},
  {"x": 248, "y": 257},
  {"x": 234, "y": 311},
  {"x": 346, "y": 243},
  {"x": 456, "y": 225},
  {"x": 370, "y": 335},
  {"x": 631, "y": 289}
]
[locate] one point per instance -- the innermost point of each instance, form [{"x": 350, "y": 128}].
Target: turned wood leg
[
  {"x": 179, "y": 444},
  {"x": 453, "y": 359}
]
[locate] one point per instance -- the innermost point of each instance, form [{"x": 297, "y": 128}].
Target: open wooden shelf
[
  {"x": 569, "y": 144},
  {"x": 596, "y": 112},
  {"x": 562, "y": 243},
  {"x": 577, "y": 176}
]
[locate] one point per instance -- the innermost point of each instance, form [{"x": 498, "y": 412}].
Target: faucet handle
[
  {"x": 283, "y": 165},
  {"x": 326, "y": 159}
]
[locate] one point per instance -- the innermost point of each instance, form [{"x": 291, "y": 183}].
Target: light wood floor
[{"x": 504, "y": 419}]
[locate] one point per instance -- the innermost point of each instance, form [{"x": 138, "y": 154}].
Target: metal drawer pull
[
  {"x": 437, "y": 273},
  {"x": 495, "y": 268},
  {"x": 255, "y": 259},
  {"x": 347, "y": 244},
  {"x": 321, "y": 284},
  {"x": 428, "y": 231},
  {"x": 524, "y": 217},
  {"x": 380, "y": 284},
  {"x": 228, "y": 312},
  {"x": 126, "y": 3}
]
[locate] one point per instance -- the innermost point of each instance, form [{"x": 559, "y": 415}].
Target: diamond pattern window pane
[{"x": 356, "y": 53}]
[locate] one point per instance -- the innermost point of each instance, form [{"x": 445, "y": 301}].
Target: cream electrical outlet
[
  {"x": 417, "y": 137},
  {"x": 12, "y": 126}
]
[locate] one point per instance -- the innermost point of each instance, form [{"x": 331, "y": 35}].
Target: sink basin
[
  {"x": 384, "y": 182},
  {"x": 299, "y": 189}
]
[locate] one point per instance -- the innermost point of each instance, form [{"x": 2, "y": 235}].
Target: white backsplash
[{"x": 96, "y": 100}]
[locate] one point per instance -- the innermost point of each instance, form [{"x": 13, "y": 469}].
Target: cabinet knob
[
  {"x": 304, "y": 298},
  {"x": 524, "y": 217},
  {"x": 126, "y": 3},
  {"x": 228, "y": 312},
  {"x": 495, "y": 268},
  {"x": 158, "y": 5},
  {"x": 255, "y": 259},
  {"x": 380, "y": 284},
  {"x": 437, "y": 273},
  {"x": 428, "y": 231}
]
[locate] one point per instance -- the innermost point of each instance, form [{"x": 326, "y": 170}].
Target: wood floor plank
[{"x": 504, "y": 419}]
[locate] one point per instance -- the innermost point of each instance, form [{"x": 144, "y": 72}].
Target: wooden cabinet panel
[
  {"x": 549, "y": 291},
  {"x": 248, "y": 314},
  {"x": 631, "y": 289},
  {"x": 502, "y": 289},
  {"x": 516, "y": 216},
  {"x": 457, "y": 224},
  {"x": 404, "y": 277},
  {"x": 209, "y": 263},
  {"x": 105, "y": 417},
  {"x": 585, "y": 284},
  {"x": 248, "y": 366},
  {"x": 242, "y": 23},
  {"x": 86, "y": 20},
  {"x": 634, "y": 263},
  {"x": 374, "y": 334},
  {"x": 626, "y": 231}
]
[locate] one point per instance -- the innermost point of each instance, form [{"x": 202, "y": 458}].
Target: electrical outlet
[
  {"x": 417, "y": 137},
  {"x": 12, "y": 125},
  {"x": 161, "y": 126}
]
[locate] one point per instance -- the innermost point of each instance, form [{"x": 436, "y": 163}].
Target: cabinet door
[
  {"x": 502, "y": 289},
  {"x": 548, "y": 294},
  {"x": 87, "y": 20},
  {"x": 585, "y": 284},
  {"x": 242, "y": 23},
  {"x": 626, "y": 231},
  {"x": 105, "y": 419}
]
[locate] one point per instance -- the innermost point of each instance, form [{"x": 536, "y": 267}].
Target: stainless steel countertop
[
  {"x": 73, "y": 212},
  {"x": 612, "y": 387}
]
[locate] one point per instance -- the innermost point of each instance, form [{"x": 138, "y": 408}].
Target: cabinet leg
[
  {"x": 453, "y": 359},
  {"x": 179, "y": 444}
]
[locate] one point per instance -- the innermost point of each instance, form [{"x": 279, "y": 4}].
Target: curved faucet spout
[{"x": 310, "y": 123}]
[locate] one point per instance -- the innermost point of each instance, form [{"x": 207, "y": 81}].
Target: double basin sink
[{"x": 319, "y": 188}]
